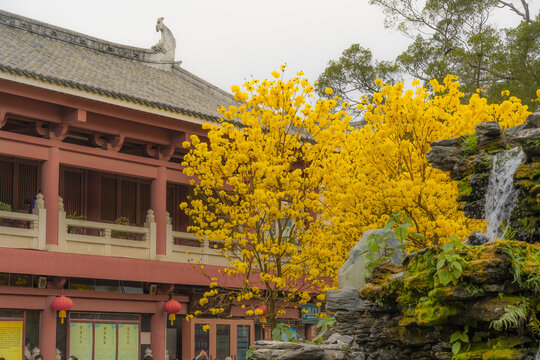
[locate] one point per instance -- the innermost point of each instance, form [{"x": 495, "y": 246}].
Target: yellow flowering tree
[
  {"x": 258, "y": 179},
  {"x": 382, "y": 168}
]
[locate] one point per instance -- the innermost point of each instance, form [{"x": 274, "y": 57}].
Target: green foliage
[
  {"x": 283, "y": 331},
  {"x": 75, "y": 216},
  {"x": 460, "y": 341},
  {"x": 325, "y": 323},
  {"x": 5, "y": 207},
  {"x": 379, "y": 249},
  {"x": 525, "y": 263},
  {"x": 75, "y": 229},
  {"x": 354, "y": 75},
  {"x": 122, "y": 220},
  {"x": 450, "y": 263},
  {"x": 456, "y": 37},
  {"x": 511, "y": 317},
  {"x": 469, "y": 145},
  {"x": 249, "y": 352}
]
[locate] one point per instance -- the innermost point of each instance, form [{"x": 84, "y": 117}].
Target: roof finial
[{"x": 167, "y": 43}]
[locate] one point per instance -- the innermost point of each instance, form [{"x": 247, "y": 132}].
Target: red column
[
  {"x": 159, "y": 205},
  {"x": 47, "y": 330},
  {"x": 50, "y": 175},
  {"x": 158, "y": 329}
]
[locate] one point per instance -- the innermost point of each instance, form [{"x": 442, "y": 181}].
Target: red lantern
[
  {"x": 171, "y": 307},
  {"x": 62, "y": 304},
  {"x": 263, "y": 308}
]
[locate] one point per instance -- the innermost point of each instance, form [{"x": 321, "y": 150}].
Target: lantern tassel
[
  {"x": 263, "y": 321},
  {"x": 62, "y": 315},
  {"x": 172, "y": 317}
]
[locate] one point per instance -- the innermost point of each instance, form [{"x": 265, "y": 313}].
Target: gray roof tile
[{"x": 60, "y": 56}]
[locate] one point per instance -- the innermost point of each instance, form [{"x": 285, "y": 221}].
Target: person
[
  {"x": 202, "y": 356},
  {"x": 71, "y": 357},
  {"x": 38, "y": 357},
  {"x": 27, "y": 352}
]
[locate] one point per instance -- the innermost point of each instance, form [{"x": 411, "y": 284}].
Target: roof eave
[{"x": 102, "y": 95}]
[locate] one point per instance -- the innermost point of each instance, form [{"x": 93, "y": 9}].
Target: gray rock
[
  {"x": 477, "y": 238},
  {"x": 475, "y": 209},
  {"x": 345, "y": 300},
  {"x": 336, "y": 338},
  {"x": 307, "y": 352},
  {"x": 483, "y": 163},
  {"x": 357, "y": 355},
  {"x": 526, "y": 134},
  {"x": 534, "y": 118},
  {"x": 278, "y": 345},
  {"x": 487, "y": 131},
  {"x": 455, "y": 142},
  {"x": 444, "y": 157},
  {"x": 335, "y": 355},
  {"x": 353, "y": 272},
  {"x": 514, "y": 131}
]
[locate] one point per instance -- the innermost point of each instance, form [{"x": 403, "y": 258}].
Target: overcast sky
[{"x": 228, "y": 41}]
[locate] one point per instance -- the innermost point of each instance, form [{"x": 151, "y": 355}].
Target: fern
[
  {"x": 534, "y": 323},
  {"x": 510, "y": 318}
]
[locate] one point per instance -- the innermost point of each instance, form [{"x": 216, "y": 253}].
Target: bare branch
[{"x": 525, "y": 14}]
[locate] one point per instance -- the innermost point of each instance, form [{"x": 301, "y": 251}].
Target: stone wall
[
  {"x": 405, "y": 312},
  {"x": 491, "y": 307},
  {"x": 469, "y": 160}
]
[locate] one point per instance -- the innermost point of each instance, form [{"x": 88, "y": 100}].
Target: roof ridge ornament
[{"x": 167, "y": 43}]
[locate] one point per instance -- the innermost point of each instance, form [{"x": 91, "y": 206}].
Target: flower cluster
[
  {"x": 382, "y": 167},
  {"x": 258, "y": 191}
]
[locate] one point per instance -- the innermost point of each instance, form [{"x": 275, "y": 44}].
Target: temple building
[{"x": 90, "y": 183}]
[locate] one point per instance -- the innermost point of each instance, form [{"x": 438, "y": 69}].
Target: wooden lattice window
[{"x": 19, "y": 183}]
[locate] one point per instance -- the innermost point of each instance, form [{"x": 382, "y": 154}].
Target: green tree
[
  {"x": 354, "y": 75},
  {"x": 458, "y": 37}
]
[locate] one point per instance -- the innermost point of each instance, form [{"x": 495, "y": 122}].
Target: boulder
[
  {"x": 444, "y": 157},
  {"x": 488, "y": 130},
  {"x": 353, "y": 273},
  {"x": 477, "y": 238},
  {"x": 345, "y": 300},
  {"x": 534, "y": 118},
  {"x": 337, "y": 338}
]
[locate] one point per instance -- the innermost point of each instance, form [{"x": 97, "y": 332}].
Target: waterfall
[
  {"x": 501, "y": 196},
  {"x": 537, "y": 357}
]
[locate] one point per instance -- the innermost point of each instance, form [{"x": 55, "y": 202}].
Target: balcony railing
[
  {"x": 28, "y": 231},
  {"x": 21, "y": 230},
  {"x": 97, "y": 238},
  {"x": 185, "y": 247}
]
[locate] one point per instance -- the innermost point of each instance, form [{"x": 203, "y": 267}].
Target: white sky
[{"x": 228, "y": 41}]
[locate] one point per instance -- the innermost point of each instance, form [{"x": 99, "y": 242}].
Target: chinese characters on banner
[
  {"x": 128, "y": 341},
  {"x": 105, "y": 341},
  {"x": 80, "y": 340},
  {"x": 11, "y": 339}
]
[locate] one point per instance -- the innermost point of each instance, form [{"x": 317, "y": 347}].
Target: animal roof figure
[{"x": 167, "y": 43}]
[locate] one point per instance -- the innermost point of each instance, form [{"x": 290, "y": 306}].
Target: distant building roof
[{"x": 55, "y": 55}]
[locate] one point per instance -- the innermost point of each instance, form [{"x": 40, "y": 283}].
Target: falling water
[
  {"x": 537, "y": 357},
  {"x": 501, "y": 196}
]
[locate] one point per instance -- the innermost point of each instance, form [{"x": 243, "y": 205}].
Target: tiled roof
[{"x": 64, "y": 57}]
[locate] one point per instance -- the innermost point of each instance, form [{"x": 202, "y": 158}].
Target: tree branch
[{"x": 524, "y": 14}]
